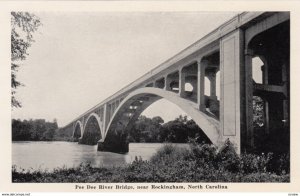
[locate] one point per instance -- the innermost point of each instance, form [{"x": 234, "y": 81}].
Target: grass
[{"x": 199, "y": 163}]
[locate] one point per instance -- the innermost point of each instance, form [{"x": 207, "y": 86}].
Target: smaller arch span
[
  {"x": 89, "y": 134},
  {"x": 78, "y": 124}
]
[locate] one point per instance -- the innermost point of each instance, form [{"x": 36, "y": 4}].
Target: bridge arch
[
  {"x": 92, "y": 130},
  {"x": 137, "y": 101},
  {"x": 78, "y": 125}
]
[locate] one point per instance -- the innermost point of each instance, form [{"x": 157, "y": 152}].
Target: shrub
[
  {"x": 251, "y": 163},
  {"x": 169, "y": 154},
  {"x": 204, "y": 154},
  {"x": 228, "y": 158}
]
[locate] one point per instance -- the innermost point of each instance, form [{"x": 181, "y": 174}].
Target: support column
[
  {"x": 167, "y": 83},
  {"x": 249, "y": 98},
  {"x": 231, "y": 50},
  {"x": 181, "y": 87},
  {"x": 105, "y": 118},
  {"x": 212, "y": 79},
  {"x": 117, "y": 103},
  {"x": 82, "y": 130},
  {"x": 267, "y": 117},
  {"x": 213, "y": 101},
  {"x": 265, "y": 81},
  {"x": 285, "y": 101},
  {"x": 200, "y": 80}
]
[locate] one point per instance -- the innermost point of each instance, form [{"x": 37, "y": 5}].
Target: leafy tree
[
  {"x": 33, "y": 130},
  {"x": 181, "y": 129},
  {"x": 146, "y": 129},
  {"x": 258, "y": 112},
  {"x": 23, "y": 25},
  {"x": 155, "y": 130}
]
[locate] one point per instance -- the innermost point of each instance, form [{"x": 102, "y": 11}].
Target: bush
[
  {"x": 228, "y": 158},
  {"x": 251, "y": 163},
  {"x": 169, "y": 154}
]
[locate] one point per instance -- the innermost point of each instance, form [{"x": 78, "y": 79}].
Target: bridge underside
[{"x": 268, "y": 55}]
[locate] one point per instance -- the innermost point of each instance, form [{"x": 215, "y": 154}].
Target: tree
[
  {"x": 23, "y": 25},
  {"x": 33, "y": 130}
]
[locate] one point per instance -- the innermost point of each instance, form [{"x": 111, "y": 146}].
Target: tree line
[
  {"x": 175, "y": 131},
  {"x": 145, "y": 130},
  {"x": 33, "y": 130}
]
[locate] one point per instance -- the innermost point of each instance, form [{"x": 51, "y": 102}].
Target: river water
[{"x": 50, "y": 155}]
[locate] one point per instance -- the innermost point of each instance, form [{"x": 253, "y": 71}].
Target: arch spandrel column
[
  {"x": 182, "y": 76},
  {"x": 201, "y": 85}
]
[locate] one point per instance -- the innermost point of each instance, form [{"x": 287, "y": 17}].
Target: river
[{"x": 50, "y": 155}]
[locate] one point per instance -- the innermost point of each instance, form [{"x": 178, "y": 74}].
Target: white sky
[{"x": 79, "y": 59}]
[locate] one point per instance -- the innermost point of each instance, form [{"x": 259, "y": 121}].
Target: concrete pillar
[
  {"x": 231, "y": 50},
  {"x": 249, "y": 98},
  {"x": 285, "y": 101},
  {"x": 285, "y": 113},
  {"x": 264, "y": 69},
  {"x": 106, "y": 118},
  {"x": 181, "y": 87},
  {"x": 267, "y": 117},
  {"x": 155, "y": 85},
  {"x": 200, "y": 78},
  {"x": 212, "y": 79},
  {"x": 167, "y": 83},
  {"x": 112, "y": 108},
  {"x": 265, "y": 81},
  {"x": 111, "y": 111},
  {"x": 213, "y": 101}
]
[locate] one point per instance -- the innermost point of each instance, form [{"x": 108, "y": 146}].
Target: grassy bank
[{"x": 200, "y": 163}]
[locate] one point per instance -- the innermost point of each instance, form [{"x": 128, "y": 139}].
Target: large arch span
[{"x": 136, "y": 102}]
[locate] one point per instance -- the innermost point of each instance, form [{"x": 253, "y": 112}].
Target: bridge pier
[
  {"x": 115, "y": 141},
  {"x": 120, "y": 146}
]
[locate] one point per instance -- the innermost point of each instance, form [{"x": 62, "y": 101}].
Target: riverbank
[{"x": 199, "y": 163}]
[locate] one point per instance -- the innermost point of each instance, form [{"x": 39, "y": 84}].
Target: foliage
[
  {"x": 23, "y": 25},
  {"x": 33, "y": 130},
  {"x": 276, "y": 139},
  {"x": 258, "y": 112},
  {"x": 146, "y": 129},
  {"x": 199, "y": 163},
  {"x": 176, "y": 131},
  {"x": 64, "y": 134}
]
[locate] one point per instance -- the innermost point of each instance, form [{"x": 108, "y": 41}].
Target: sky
[{"x": 80, "y": 58}]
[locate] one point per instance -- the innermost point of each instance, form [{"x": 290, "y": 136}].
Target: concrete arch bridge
[{"x": 228, "y": 52}]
